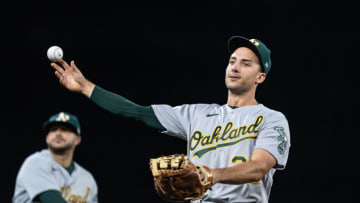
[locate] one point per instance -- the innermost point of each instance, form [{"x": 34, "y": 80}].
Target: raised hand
[{"x": 71, "y": 78}]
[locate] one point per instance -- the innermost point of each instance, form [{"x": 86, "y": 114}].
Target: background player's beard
[{"x": 59, "y": 150}]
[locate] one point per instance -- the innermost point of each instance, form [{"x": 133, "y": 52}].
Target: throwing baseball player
[
  {"x": 234, "y": 148},
  {"x": 51, "y": 175}
]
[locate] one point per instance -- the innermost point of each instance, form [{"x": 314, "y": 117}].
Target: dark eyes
[
  {"x": 245, "y": 64},
  {"x": 63, "y": 128}
]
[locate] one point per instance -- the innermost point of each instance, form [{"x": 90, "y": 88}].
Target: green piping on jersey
[{"x": 202, "y": 152}]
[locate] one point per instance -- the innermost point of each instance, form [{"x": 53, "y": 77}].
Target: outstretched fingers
[
  {"x": 64, "y": 64},
  {"x": 58, "y": 75},
  {"x": 57, "y": 68},
  {"x": 73, "y": 66}
]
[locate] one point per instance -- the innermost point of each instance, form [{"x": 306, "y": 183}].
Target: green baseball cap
[
  {"x": 63, "y": 118},
  {"x": 259, "y": 48}
]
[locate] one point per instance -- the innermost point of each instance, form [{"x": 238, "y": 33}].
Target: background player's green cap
[
  {"x": 259, "y": 48},
  {"x": 63, "y": 118}
]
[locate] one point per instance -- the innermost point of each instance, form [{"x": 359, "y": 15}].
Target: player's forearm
[
  {"x": 121, "y": 106},
  {"x": 246, "y": 172}
]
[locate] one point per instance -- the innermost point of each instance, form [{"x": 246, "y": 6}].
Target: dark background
[{"x": 176, "y": 56}]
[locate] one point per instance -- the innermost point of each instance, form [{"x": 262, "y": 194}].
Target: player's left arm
[
  {"x": 50, "y": 196},
  {"x": 252, "y": 170}
]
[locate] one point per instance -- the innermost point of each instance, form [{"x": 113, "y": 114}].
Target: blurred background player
[
  {"x": 242, "y": 141},
  {"x": 51, "y": 175}
]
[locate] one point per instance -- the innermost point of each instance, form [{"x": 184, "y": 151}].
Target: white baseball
[{"x": 55, "y": 53}]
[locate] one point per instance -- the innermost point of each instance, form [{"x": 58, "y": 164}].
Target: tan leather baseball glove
[{"x": 176, "y": 178}]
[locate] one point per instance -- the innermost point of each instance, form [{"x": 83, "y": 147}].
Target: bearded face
[{"x": 61, "y": 138}]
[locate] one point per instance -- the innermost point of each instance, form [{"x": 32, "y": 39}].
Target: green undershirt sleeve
[
  {"x": 121, "y": 106},
  {"x": 51, "y": 196}
]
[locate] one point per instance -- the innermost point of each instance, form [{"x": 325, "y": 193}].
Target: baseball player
[
  {"x": 51, "y": 175},
  {"x": 243, "y": 142}
]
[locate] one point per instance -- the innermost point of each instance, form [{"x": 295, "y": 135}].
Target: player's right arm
[
  {"x": 72, "y": 79},
  {"x": 35, "y": 181}
]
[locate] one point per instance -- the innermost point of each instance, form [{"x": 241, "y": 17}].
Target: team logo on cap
[
  {"x": 63, "y": 117},
  {"x": 256, "y": 43},
  {"x": 266, "y": 65}
]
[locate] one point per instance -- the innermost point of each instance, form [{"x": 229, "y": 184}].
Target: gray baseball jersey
[
  {"x": 222, "y": 136},
  {"x": 40, "y": 172}
]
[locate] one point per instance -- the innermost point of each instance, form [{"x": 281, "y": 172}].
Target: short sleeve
[
  {"x": 94, "y": 198},
  {"x": 274, "y": 137},
  {"x": 176, "y": 119},
  {"x": 36, "y": 176}
]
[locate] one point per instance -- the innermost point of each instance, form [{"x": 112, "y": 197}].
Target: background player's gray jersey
[
  {"x": 221, "y": 136},
  {"x": 40, "y": 172}
]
